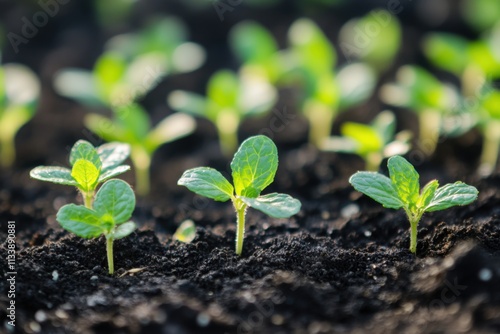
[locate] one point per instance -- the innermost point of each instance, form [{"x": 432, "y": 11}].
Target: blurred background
[{"x": 72, "y": 67}]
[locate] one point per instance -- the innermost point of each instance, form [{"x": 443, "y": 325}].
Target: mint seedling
[
  {"x": 402, "y": 190},
  {"x": 19, "y": 91},
  {"x": 90, "y": 167},
  {"x": 230, "y": 98},
  {"x": 372, "y": 142},
  {"x": 109, "y": 216},
  {"x": 131, "y": 124},
  {"x": 253, "y": 168}
]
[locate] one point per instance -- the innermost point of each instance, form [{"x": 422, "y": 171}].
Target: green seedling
[
  {"x": 372, "y": 142},
  {"x": 186, "y": 232},
  {"x": 108, "y": 216},
  {"x": 131, "y": 124},
  {"x": 19, "y": 91},
  {"x": 481, "y": 14},
  {"x": 358, "y": 39},
  {"x": 132, "y": 65},
  {"x": 253, "y": 168},
  {"x": 230, "y": 98},
  {"x": 310, "y": 62},
  {"x": 402, "y": 190},
  {"x": 90, "y": 167},
  {"x": 431, "y": 100}
]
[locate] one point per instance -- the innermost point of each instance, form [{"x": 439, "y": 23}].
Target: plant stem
[
  {"x": 227, "y": 123},
  {"x": 142, "y": 163},
  {"x": 373, "y": 161},
  {"x": 430, "y": 125},
  {"x": 320, "y": 119},
  {"x": 240, "y": 226},
  {"x": 109, "y": 251},
  {"x": 491, "y": 146},
  {"x": 7, "y": 153},
  {"x": 413, "y": 236},
  {"x": 88, "y": 198}
]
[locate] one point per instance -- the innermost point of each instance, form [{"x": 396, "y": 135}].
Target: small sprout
[
  {"x": 372, "y": 142},
  {"x": 230, "y": 98},
  {"x": 402, "y": 190},
  {"x": 186, "y": 232},
  {"x": 19, "y": 91},
  {"x": 131, "y": 125},
  {"x": 253, "y": 168},
  {"x": 109, "y": 216},
  {"x": 90, "y": 167},
  {"x": 430, "y": 99}
]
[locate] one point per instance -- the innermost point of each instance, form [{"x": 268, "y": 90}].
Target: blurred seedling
[
  {"x": 310, "y": 62},
  {"x": 109, "y": 216},
  {"x": 253, "y": 168},
  {"x": 186, "y": 232},
  {"x": 19, "y": 93},
  {"x": 230, "y": 98},
  {"x": 90, "y": 167},
  {"x": 373, "y": 142},
  {"x": 402, "y": 190},
  {"x": 431, "y": 100},
  {"x": 131, "y": 124}
]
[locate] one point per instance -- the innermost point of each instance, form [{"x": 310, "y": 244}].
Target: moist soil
[{"x": 341, "y": 265}]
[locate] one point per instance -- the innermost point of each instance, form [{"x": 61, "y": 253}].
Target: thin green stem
[
  {"x": 373, "y": 161},
  {"x": 491, "y": 146},
  {"x": 240, "y": 228},
  {"x": 142, "y": 163},
  {"x": 430, "y": 125},
  {"x": 88, "y": 198},
  {"x": 7, "y": 153},
  {"x": 413, "y": 236},
  {"x": 227, "y": 123},
  {"x": 109, "y": 251},
  {"x": 320, "y": 119}
]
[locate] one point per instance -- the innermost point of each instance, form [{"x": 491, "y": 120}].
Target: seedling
[
  {"x": 90, "y": 167},
  {"x": 401, "y": 190},
  {"x": 130, "y": 124},
  {"x": 109, "y": 216},
  {"x": 310, "y": 61},
  {"x": 430, "y": 99},
  {"x": 372, "y": 142},
  {"x": 19, "y": 90},
  {"x": 186, "y": 232},
  {"x": 253, "y": 168},
  {"x": 230, "y": 98}
]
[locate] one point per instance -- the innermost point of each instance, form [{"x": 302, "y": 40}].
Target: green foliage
[
  {"x": 19, "y": 92},
  {"x": 230, "y": 98},
  {"x": 253, "y": 168},
  {"x": 109, "y": 216},
  {"x": 401, "y": 190},
  {"x": 186, "y": 232},
  {"x": 130, "y": 124},
  {"x": 132, "y": 65},
  {"x": 90, "y": 167},
  {"x": 373, "y": 142},
  {"x": 481, "y": 14}
]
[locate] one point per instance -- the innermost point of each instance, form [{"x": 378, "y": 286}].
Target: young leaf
[
  {"x": 122, "y": 230},
  {"x": 86, "y": 151},
  {"x": 377, "y": 186},
  {"x": 207, "y": 182},
  {"x": 186, "y": 232},
  {"x": 405, "y": 178},
  {"x": 85, "y": 174},
  {"x": 115, "y": 199},
  {"x": 274, "y": 205},
  {"x": 427, "y": 194},
  {"x": 81, "y": 221},
  {"x": 59, "y": 175},
  {"x": 112, "y": 154},
  {"x": 254, "y": 166},
  {"x": 452, "y": 194},
  {"x": 109, "y": 173}
]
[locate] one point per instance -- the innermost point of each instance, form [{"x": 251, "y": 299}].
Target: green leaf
[
  {"x": 252, "y": 42},
  {"x": 108, "y": 174},
  {"x": 274, "y": 205},
  {"x": 452, "y": 194},
  {"x": 134, "y": 120},
  {"x": 405, "y": 179},
  {"x": 207, "y": 182},
  {"x": 222, "y": 89},
  {"x": 254, "y": 166},
  {"x": 113, "y": 154},
  {"x": 171, "y": 128},
  {"x": 81, "y": 221},
  {"x": 186, "y": 232},
  {"x": 385, "y": 124},
  {"x": 85, "y": 174},
  {"x": 123, "y": 230},
  {"x": 187, "y": 102},
  {"x": 106, "y": 128},
  {"x": 115, "y": 201},
  {"x": 78, "y": 85},
  {"x": 367, "y": 138},
  {"x": 377, "y": 186},
  {"x": 59, "y": 175},
  {"x": 86, "y": 151},
  {"x": 109, "y": 71},
  {"x": 356, "y": 84},
  {"x": 447, "y": 51},
  {"x": 427, "y": 194}
]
